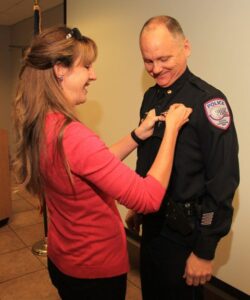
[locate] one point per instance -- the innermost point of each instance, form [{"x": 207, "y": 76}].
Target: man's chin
[{"x": 163, "y": 81}]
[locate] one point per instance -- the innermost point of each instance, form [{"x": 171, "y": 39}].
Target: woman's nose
[{"x": 92, "y": 74}]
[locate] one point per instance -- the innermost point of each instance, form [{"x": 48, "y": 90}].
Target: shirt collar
[{"x": 177, "y": 84}]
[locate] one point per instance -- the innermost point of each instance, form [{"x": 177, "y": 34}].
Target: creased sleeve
[{"x": 220, "y": 153}]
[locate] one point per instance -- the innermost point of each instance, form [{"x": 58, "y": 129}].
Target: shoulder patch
[{"x": 217, "y": 113}]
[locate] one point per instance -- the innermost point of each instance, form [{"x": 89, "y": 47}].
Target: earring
[{"x": 60, "y": 78}]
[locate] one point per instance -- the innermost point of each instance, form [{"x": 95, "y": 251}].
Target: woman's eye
[{"x": 88, "y": 66}]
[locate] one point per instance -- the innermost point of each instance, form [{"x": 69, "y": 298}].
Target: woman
[{"x": 59, "y": 157}]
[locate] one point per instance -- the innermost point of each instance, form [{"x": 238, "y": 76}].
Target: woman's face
[{"x": 75, "y": 80}]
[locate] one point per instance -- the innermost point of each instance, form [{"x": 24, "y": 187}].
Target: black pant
[
  {"x": 162, "y": 267},
  {"x": 70, "y": 288}
]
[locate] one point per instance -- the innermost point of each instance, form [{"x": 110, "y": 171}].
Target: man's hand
[
  {"x": 133, "y": 221},
  {"x": 198, "y": 270}
]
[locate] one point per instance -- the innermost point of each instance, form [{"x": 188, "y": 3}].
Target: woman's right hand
[{"x": 177, "y": 115}]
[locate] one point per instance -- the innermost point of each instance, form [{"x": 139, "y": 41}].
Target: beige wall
[{"x": 219, "y": 33}]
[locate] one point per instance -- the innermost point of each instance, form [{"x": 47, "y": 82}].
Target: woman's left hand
[{"x": 146, "y": 128}]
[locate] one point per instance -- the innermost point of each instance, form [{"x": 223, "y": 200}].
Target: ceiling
[{"x": 13, "y": 11}]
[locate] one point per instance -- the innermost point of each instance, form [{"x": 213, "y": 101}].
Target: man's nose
[{"x": 156, "y": 68}]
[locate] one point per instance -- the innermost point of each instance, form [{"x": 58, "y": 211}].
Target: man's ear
[{"x": 187, "y": 47}]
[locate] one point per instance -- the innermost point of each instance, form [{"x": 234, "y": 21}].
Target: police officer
[{"x": 179, "y": 242}]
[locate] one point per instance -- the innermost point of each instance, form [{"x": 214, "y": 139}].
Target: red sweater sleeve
[{"x": 89, "y": 158}]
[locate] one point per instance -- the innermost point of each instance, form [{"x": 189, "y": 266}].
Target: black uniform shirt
[{"x": 206, "y": 156}]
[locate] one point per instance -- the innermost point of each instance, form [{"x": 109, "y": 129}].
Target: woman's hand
[
  {"x": 177, "y": 115},
  {"x": 146, "y": 128}
]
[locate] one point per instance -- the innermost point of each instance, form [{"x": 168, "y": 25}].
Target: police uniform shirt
[{"x": 206, "y": 157}]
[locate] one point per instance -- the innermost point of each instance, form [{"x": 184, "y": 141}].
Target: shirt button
[{"x": 169, "y": 92}]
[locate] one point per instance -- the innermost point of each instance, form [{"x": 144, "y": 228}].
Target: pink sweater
[{"x": 86, "y": 237}]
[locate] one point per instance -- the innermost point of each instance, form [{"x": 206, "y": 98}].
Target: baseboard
[
  {"x": 4, "y": 222},
  {"x": 217, "y": 289},
  {"x": 228, "y": 289}
]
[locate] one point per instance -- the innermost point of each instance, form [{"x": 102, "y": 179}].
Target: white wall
[{"x": 219, "y": 34}]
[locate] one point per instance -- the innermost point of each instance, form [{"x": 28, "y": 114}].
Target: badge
[{"x": 217, "y": 113}]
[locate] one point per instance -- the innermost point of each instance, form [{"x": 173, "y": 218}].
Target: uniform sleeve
[
  {"x": 89, "y": 158},
  {"x": 219, "y": 147}
]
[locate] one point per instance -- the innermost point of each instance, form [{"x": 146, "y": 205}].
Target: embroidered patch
[{"x": 217, "y": 113}]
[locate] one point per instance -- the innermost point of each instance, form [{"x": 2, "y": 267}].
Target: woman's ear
[{"x": 60, "y": 71}]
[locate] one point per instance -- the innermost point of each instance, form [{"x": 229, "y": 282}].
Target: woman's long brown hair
[{"x": 38, "y": 93}]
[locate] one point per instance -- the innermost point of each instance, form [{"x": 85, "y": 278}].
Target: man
[{"x": 178, "y": 242}]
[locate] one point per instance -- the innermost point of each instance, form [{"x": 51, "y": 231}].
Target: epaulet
[{"x": 203, "y": 85}]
